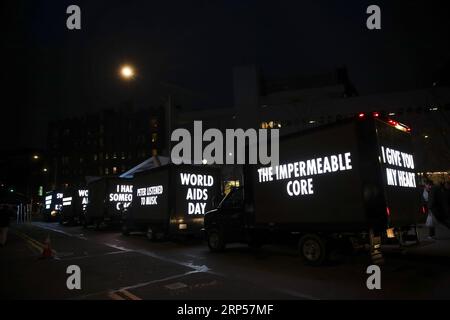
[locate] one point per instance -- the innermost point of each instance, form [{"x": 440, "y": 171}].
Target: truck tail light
[
  {"x": 388, "y": 212},
  {"x": 424, "y": 210},
  {"x": 392, "y": 122},
  {"x": 376, "y": 114},
  {"x": 361, "y": 115},
  {"x": 399, "y": 126}
]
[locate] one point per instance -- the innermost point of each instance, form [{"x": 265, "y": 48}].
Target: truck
[
  {"x": 171, "y": 200},
  {"x": 351, "y": 183},
  {"x": 52, "y": 205},
  {"x": 109, "y": 199},
  {"x": 74, "y": 206}
]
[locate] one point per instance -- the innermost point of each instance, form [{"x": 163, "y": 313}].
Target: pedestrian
[
  {"x": 447, "y": 194},
  {"x": 437, "y": 209},
  {"x": 446, "y": 203},
  {"x": 430, "y": 222},
  {"x": 5, "y": 216}
]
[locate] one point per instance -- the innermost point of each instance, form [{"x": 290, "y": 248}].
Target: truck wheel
[
  {"x": 149, "y": 233},
  {"x": 125, "y": 230},
  {"x": 216, "y": 242},
  {"x": 313, "y": 249}
]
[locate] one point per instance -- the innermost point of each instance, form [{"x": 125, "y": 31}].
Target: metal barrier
[{"x": 23, "y": 213}]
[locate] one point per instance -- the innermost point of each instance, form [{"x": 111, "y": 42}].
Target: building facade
[{"x": 106, "y": 143}]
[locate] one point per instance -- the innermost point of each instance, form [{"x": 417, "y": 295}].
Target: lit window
[
  {"x": 230, "y": 184},
  {"x": 114, "y": 170},
  {"x": 270, "y": 124},
  {"x": 154, "y": 137},
  {"x": 106, "y": 171}
]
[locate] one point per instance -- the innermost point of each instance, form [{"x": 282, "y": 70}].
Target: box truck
[
  {"x": 347, "y": 182},
  {"x": 108, "y": 200},
  {"x": 52, "y": 205},
  {"x": 172, "y": 200},
  {"x": 74, "y": 206}
]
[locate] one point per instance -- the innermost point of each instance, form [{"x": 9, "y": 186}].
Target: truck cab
[{"x": 228, "y": 221}]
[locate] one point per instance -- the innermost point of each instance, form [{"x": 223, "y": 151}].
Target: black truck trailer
[
  {"x": 109, "y": 199},
  {"x": 172, "y": 200},
  {"x": 53, "y": 201},
  {"x": 341, "y": 183},
  {"x": 74, "y": 205}
]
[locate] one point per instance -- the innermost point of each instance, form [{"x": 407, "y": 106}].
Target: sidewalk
[{"x": 439, "y": 248}]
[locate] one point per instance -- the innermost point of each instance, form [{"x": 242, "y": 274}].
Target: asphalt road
[{"x": 131, "y": 268}]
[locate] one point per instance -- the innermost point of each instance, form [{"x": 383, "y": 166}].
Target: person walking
[
  {"x": 446, "y": 204},
  {"x": 5, "y": 217},
  {"x": 425, "y": 196}
]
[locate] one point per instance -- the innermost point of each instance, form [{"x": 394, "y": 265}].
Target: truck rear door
[{"x": 398, "y": 170}]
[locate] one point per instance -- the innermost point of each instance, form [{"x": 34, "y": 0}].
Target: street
[{"x": 117, "y": 267}]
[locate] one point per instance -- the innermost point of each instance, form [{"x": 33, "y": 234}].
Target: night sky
[{"x": 50, "y": 72}]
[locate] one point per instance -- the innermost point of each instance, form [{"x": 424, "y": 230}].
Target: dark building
[{"x": 106, "y": 143}]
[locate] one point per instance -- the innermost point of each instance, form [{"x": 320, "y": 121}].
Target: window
[
  {"x": 95, "y": 157},
  {"x": 114, "y": 170},
  {"x": 270, "y": 124},
  {"x": 106, "y": 171},
  {"x": 154, "y": 137},
  {"x": 229, "y": 185}
]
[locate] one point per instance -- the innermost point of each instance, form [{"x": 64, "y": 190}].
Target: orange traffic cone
[{"x": 47, "y": 252}]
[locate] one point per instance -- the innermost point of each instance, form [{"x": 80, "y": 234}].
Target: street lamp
[
  {"x": 127, "y": 72},
  {"x": 35, "y": 157}
]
